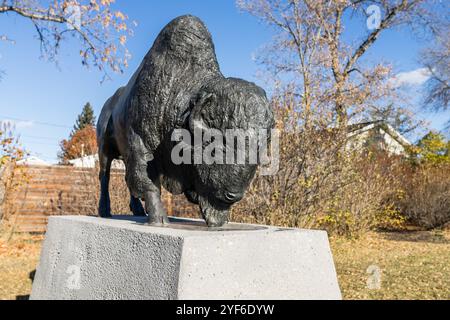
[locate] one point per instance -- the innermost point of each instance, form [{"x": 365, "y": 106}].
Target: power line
[
  {"x": 41, "y": 143},
  {"x": 37, "y": 122},
  {"x": 27, "y": 137},
  {"x": 37, "y": 137}
]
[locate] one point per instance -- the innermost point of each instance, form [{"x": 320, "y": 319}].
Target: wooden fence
[{"x": 35, "y": 193}]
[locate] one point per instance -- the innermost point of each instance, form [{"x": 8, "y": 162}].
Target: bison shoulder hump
[{"x": 187, "y": 38}]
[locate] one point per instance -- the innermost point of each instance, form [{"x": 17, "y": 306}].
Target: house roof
[
  {"x": 91, "y": 161},
  {"x": 359, "y": 128},
  {"x": 33, "y": 161}
]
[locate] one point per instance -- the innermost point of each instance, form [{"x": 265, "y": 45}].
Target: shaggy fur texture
[{"x": 178, "y": 85}]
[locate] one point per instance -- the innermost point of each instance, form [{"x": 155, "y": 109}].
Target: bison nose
[{"x": 232, "y": 197}]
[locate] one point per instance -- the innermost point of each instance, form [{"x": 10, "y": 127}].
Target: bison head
[{"x": 224, "y": 112}]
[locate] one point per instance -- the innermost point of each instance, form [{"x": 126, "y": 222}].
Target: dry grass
[
  {"x": 414, "y": 265},
  {"x": 19, "y": 255}
]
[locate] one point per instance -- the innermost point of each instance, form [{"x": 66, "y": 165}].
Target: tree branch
[{"x": 391, "y": 14}]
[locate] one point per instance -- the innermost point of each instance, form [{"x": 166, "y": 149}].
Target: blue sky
[{"x": 44, "y": 100}]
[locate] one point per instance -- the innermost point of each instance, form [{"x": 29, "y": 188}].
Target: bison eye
[{"x": 232, "y": 197}]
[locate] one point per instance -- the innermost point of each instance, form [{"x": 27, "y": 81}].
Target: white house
[
  {"x": 33, "y": 161},
  {"x": 91, "y": 162},
  {"x": 378, "y": 134}
]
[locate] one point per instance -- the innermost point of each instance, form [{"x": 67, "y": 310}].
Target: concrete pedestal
[{"x": 123, "y": 258}]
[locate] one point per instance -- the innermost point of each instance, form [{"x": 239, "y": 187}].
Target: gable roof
[
  {"x": 33, "y": 161},
  {"x": 359, "y": 128}
]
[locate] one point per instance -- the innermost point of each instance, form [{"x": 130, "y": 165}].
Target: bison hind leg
[
  {"x": 104, "y": 207},
  {"x": 136, "y": 207}
]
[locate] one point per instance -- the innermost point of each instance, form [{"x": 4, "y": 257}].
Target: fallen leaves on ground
[
  {"x": 19, "y": 255},
  {"x": 412, "y": 265}
]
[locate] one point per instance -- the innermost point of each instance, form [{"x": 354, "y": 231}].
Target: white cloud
[
  {"x": 412, "y": 78},
  {"x": 17, "y": 124}
]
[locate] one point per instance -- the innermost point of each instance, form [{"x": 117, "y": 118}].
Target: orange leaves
[
  {"x": 82, "y": 143},
  {"x": 120, "y": 15},
  {"x": 10, "y": 149},
  {"x": 102, "y": 31},
  {"x": 123, "y": 40}
]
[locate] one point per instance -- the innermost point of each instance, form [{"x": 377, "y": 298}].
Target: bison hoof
[
  {"x": 136, "y": 208},
  {"x": 104, "y": 213},
  {"x": 158, "y": 220}
]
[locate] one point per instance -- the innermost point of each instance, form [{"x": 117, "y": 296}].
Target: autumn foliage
[
  {"x": 101, "y": 30},
  {"x": 323, "y": 82},
  {"x": 82, "y": 143},
  {"x": 10, "y": 149}
]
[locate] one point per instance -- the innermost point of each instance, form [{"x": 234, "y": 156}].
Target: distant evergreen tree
[
  {"x": 86, "y": 118},
  {"x": 82, "y": 140}
]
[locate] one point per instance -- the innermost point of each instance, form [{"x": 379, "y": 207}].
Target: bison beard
[{"x": 178, "y": 84}]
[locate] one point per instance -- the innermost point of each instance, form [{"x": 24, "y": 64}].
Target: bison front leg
[
  {"x": 143, "y": 179},
  {"x": 155, "y": 209}
]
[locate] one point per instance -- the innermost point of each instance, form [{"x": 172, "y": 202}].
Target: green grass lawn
[{"x": 413, "y": 265}]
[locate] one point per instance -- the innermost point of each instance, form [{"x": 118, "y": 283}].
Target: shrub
[
  {"x": 390, "y": 218},
  {"x": 426, "y": 202},
  {"x": 320, "y": 183},
  {"x": 10, "y": 152}
]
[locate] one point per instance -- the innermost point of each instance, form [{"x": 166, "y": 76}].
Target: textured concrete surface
[{"x": 123, "y": 258}]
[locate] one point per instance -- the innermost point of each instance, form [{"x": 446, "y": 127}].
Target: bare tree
[
  {"x": 437, "y": 60},
  {"x": 327, "y": 68},
  {"x": 325, "y": 80},
  {"x": 101, "y": 30}
]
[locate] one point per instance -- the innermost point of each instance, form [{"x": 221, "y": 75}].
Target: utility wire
[
  {"x": 37, "y": 137},
  {"x": 36, "y": 122},
  {"x": 41, "y": 143}
]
